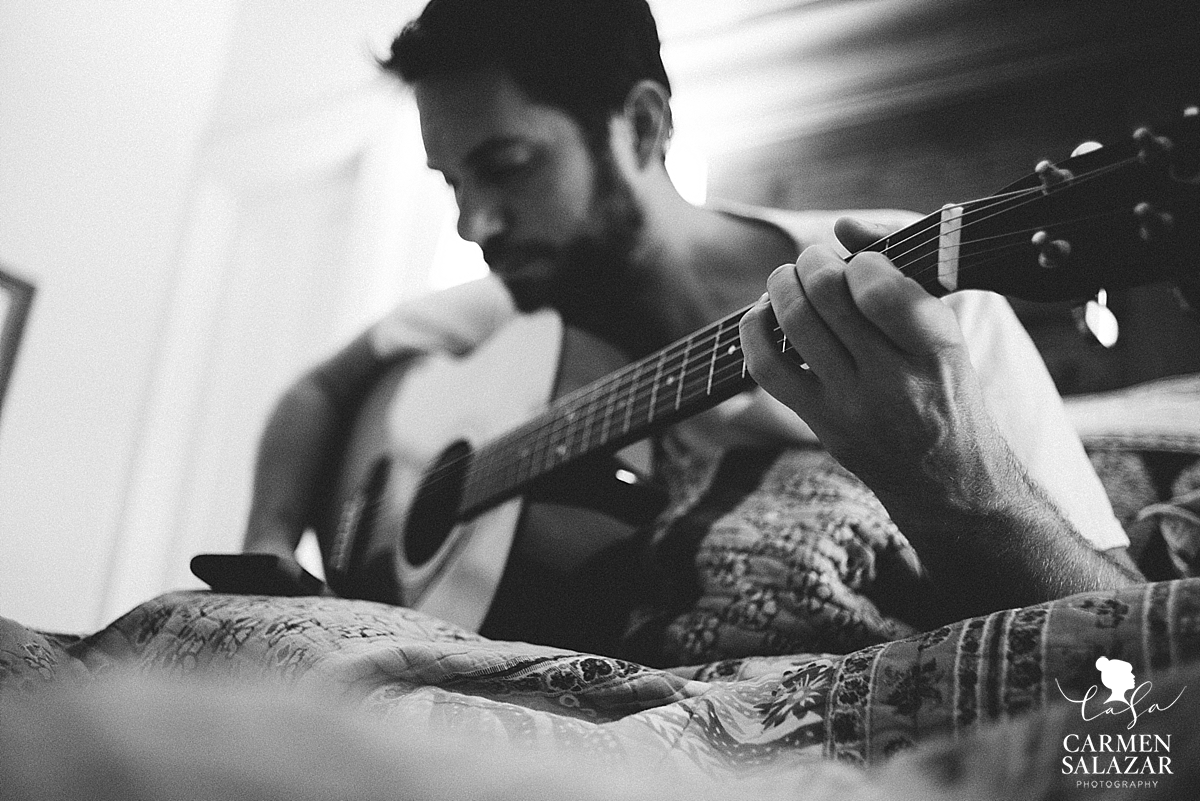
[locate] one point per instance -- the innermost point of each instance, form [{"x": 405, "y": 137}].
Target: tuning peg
[
  {"x": 1051, "y": 176},
  {"x": 1152, "y": 149},
  {"x": 1188, "y": 299},
  {"x": 1097, "y": 321},
  {"x": 1152, "y": 223},
  {"x": 1185, "y": 165},
  {"x": 1052, "y": 253},
  {"x": 1083, "y": 148}
]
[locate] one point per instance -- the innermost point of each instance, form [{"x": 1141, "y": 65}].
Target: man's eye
[
  {"x": 505, "y": 164},
  {"x": 502, "y": 170}
]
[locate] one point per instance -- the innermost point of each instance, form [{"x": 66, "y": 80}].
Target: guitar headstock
[{"x": 1117, "y": 216}]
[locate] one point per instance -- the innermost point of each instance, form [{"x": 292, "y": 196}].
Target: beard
[{"x": 583, "y": 277}]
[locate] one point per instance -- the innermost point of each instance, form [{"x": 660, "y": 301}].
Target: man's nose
[{"x": 480, "y": 216}]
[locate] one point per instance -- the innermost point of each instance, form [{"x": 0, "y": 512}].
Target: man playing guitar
[{"x": 551, "y": 120}]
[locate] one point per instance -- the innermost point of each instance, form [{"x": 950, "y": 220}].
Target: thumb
[{"x": 856, "y": 234}]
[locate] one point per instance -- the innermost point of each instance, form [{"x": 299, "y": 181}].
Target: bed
[{"x": 199, "y": 694}]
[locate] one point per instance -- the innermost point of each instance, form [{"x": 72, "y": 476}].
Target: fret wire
[
  {"x": 589, "y": 414},
  {"x": 577, "y": 439},
  {"x": 629, "y": 401},
  {"x": 560, "y": 433},
  {"x": 609, "y": 407},
  {"x": 642, "y": 416},
  {"x": 731, "y": 349},
  {"x": 696, "y": 375},
  {"x": 652, "y": 398},
  {"x": 564, "y": 425},
  {"x": 513, "y": 455},
  {"x": 734, "y": 351},
  {"x": 662, "y": 357},
  {"x": 567, "y": 429},
  {"x": 713, "y": 361},
  {"x": 682, "y": 374},
  {"x": 667, "y": 400},
  {"x": 741, "y": 357}
]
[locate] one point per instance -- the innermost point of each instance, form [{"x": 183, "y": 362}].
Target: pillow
[
  {"x": 30, "y": 660},
  {"x": 1177, "y": 524},
  {"x": 1158, "y": 416},
  {"x": 1144, "y": 442},
  {"x": 767, "y": 552}
]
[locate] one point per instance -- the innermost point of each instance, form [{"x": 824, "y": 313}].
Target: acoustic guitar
[{"x": 446, "y": 484}]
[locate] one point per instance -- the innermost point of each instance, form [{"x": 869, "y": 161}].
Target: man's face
[{"x": 556, "y": 221}]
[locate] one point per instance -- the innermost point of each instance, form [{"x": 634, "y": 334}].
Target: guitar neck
[
  {"x": 980, "y": 244},
  {"x": 681, "y": 380}
]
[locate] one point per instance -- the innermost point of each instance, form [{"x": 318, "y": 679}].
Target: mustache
[{"x": 496, "y": 251}]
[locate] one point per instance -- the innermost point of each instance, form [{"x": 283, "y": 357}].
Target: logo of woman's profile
[
  {"x": 1117, "y": 676},
  {"x": 1125, "y": 694}
]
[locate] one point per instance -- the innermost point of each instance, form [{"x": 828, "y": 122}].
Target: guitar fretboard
[
  {"x": 982, "y": 240},
  {"x": 683, "y": 379}
]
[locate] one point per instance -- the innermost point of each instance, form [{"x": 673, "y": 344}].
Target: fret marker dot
[
  {"x": 561, "y": 450},
  {"x": 670, "y": 380},
  {"x": 732, "y": 350}
]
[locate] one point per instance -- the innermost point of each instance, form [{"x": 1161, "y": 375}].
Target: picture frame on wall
[{"x": 16, "y": 298}]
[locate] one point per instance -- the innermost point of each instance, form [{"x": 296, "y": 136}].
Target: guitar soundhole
[{"x": 434, "y": 511}]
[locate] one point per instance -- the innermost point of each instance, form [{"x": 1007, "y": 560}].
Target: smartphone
[{"x": 254, "y": 574}]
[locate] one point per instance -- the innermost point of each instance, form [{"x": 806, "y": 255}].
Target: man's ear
[{"x": 648, "y": 111}]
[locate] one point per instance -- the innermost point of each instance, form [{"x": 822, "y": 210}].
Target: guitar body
[{"x": 386, "y": 536}]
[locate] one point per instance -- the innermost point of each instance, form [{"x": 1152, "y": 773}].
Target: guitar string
[
  {"x": 695, "y": 381},
  {"x": 995, "y": 200},
  {"x": 584, "y": 397},
  {"x": 1023, "y": 198},
  {"x": 976, "y": 217},
  {"x": 556, "y": 423}
]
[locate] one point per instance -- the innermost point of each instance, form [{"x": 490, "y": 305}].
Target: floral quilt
[{"x": 419, "y": 674}]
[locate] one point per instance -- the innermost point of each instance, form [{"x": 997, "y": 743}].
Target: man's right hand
[
  {"x": 305, "y": 433},
  {"x": 301, "y": 436}
]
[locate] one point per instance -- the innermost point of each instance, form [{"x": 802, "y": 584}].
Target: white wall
[
  {"x": 208, "y": 196},
  {"x": 103, "y": 107}
]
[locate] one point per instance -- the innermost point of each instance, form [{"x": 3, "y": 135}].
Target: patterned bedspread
[{"x": 421, "y": 675}]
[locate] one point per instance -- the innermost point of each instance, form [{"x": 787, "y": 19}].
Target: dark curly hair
[{"x": 581, "y": 56}]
